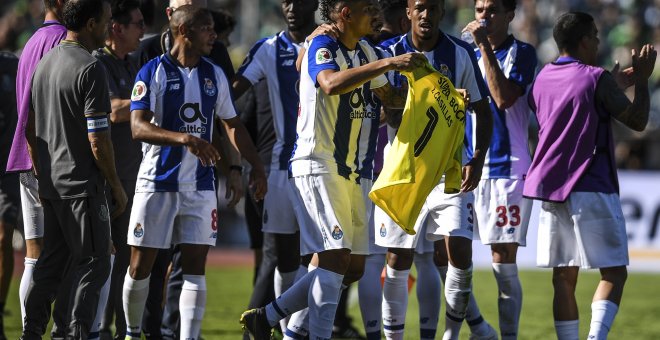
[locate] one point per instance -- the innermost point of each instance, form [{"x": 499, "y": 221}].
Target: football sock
[
  {"x": 283, "y": 281},
  {"x": 298, "y": 325},
  {"x": 370, "y": 295},
  {"x": 135, "y": 294},
  {"x": 192, "y": 303},
  {"x": 602, "y": 317},
  {"x": 458, "y": 286},
  {"x": 478, "y": 326},
  {"x": 509, "y": 301},
  {"x": 291, "y": 301},
  {"x": 567, "y": 330},
  {"x": 395, "y": 302},
  {"x": 428, "y": 295},
  {"x": 323, "y": 299},
  {"x": 443, "y": 273}
]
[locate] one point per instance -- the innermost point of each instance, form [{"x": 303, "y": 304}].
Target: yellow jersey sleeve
[{"x": 427, "y": 145}]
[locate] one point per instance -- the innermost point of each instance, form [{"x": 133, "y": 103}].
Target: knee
[
  {"x": 504, "y": 252},
  {"x": 616, "y": 275},
  {"x": 353, "y": 275},
  {"x": 400, "y": 259},
  {"x": 564, "y": 280}
]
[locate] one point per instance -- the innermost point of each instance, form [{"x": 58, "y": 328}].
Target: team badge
[
  {"x": 139, "y": 90},
  {"x": 323, "y": 56},
  {"x": 104, "y": 214},
  {"x": 138, "y": 231},
  {"x": 383, "y": 230},
  {"x": 209, "y": 87},
  {"x": 444, "y": 69},
  {"x": 337, "y": 234}
]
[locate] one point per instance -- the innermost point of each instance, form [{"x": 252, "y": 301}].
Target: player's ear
[{"x": 345, "y": 13}]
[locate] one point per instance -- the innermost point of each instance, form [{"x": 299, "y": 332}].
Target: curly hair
[
  {"x": 326, "y": 7},
  {"x": 392, "y": 5}
]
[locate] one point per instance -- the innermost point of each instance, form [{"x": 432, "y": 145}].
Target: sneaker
[
  {"x": 491, "y": 334},
  {"x": 347, "y": 331},
  {"x": 254, "y": 322}
]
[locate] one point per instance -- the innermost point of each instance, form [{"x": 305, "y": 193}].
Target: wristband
[{"x": 236, "y": 168}]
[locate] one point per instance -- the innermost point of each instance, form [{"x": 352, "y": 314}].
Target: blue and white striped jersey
[
  {"x": 274, "y": 58},
  {"x": 508, "y": 155},
  {"x": 453, "y": 58},
  {"x": 368, "y": 140},
  {"x": 329, "y": 126},
  {"x": 182, "y": 100}
]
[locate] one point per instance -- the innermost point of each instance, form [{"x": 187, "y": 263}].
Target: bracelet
[{"x": 237, "y": 168}]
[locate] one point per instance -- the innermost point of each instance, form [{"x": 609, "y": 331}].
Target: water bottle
[{"x": 467, "y": 36}]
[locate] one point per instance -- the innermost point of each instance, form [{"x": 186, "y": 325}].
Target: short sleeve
[
  {"x": 472, "y": 80},
  {"x": 224, "y": 106},
  {"x": 253, "y": 65},
  {"x": 143, "y": 87},
  {"x": 609, "y": 96},
  {"x": 94, "y": 85},
  {"x": 523, "y": 68},
  {"x": 321, "y": 55}
]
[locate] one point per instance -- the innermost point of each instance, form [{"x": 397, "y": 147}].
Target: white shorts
[
  {"x": 280, "y": 205},
  {"x": 366, "y": 185},
  {"x": 161, "y": 219},
  {"x": 335, "y": 207},
  {"x": 502, "y": 211},
  {"x": 588, "y": 231},
  {"x": 442, "y": 215},
  {"x": 33, "y": 212}
]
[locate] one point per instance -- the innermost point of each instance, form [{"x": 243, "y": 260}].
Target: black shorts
[{"x": 10, "y": 198}]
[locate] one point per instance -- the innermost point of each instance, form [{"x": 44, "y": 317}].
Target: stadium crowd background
[{"x": 622, "y": 24}]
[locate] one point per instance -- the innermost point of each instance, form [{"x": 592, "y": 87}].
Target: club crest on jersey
[
  {"x": 209, "y": 87},
  {"x": 104, "y": 214},
  {"x": 383, "y": 230},
  {"x": 444, "y": 69},
  {"x": 138, "y": 231},
  {"x": 337, "y": 233},
  {"x": 139, "y": 90},
  {"x": 323, "y": 56}
]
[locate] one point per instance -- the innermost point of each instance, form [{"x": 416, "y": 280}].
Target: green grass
[{"x": 229, "y": 289}]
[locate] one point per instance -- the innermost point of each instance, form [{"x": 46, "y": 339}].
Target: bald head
[
  {"x": 188, "y": 16},
  {"x": 196, "y": 3}
]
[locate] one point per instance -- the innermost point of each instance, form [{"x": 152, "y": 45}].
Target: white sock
[
  {"x": 370, "y": 295},
  {"x": 458, "y": 286},
  {"x": 509, "y": 301},
  {"x": 134, "y": 296},
  {"x": 428, "y": 295},
  {"x": 323, "y": 298},
  {"x": 602, "y": 317},
  {"x": 395, "y": 302},
  {"x": 298, "y": 325},
  {"x": 25, "y": 283},
  {"x": 567, "y": 330},
  {"x": 474, "y": 319},
  {"x": 283, "y": 281},
  {"x": 103, "y": 300},
  {"x": 192, "y": 304},
  {"x": 291, "y": 301}
]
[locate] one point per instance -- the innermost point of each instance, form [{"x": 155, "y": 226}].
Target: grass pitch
[{"x": 229, "y": 290}]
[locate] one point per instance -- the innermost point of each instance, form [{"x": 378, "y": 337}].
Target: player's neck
[
  {"x": 51, "y": 16},
  {"x": 497, "y": 39},
  {"x": 299, "y": 35},
  {"x": 116, "y": 49},
  {"x": 81, "y": 39},
  {"x": 346, "y": 36},
  {"x": 425, "y": 45},
  {"x": 184, "y": 56}
]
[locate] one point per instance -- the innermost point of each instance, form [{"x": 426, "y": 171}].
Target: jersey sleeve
[
  {"x": 609, "y": 96},
  {"x": 224, "y": 106},
  {"x": 375, "y": 54},
  {"x": 253, "y": 65},
  {"x": 94, "y": 84},
  {"x": 524, "y": 67},
  {"x": 472, "y": 80},
  {"x": 321, "y": 56},
  {"x": 145, "y": 87}
]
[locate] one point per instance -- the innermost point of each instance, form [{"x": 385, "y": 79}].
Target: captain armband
[{"x": 97, "y": 124}]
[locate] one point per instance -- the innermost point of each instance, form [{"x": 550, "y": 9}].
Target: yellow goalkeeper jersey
[{"x": 427, "y": 145}]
